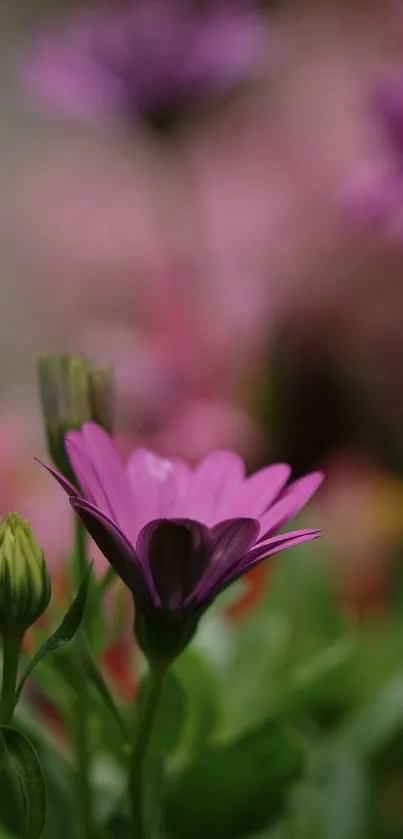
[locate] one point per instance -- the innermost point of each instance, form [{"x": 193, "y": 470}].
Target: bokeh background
[{"x": 209, "y": 194}]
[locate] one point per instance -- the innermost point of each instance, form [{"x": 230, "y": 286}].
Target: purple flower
[
  {"x": 138, "y": 57},
  {"x": 374, "y": 195},
  {"x": 178, "y": 537},
  {"x": 387, "y": 101}
]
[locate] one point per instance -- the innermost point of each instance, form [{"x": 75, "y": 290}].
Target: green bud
[
  {"x": 101, "y": 396},
  {"x": 73, "y": 391},
  {"x": 25, "y": 586}
]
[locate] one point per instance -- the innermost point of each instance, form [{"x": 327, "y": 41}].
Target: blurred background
[{"x": 209, "y": 194}]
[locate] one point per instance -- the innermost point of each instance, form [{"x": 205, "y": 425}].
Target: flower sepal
[{"x": 163, "y": 635}]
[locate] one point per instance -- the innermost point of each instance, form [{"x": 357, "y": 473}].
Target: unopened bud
[
  {"x": 101, "y": 396},
  {"x": 73, "y": 392},
  {"x": 25, "y": 587}
]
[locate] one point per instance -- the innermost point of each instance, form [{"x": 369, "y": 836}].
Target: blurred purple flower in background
[
  {"x": 374, "y": 196},
  {"x": 388, "y": 101},
  {"x": 136, "y": 58}
]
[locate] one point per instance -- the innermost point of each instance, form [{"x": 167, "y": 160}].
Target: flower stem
[
  {"x": 82, "y": 747},
  {"x": 82, "y": 718},
  {"x": 80, "y": 571},
  {"x": 81, "y": 558},
  {"x": 11, "y": 655},
  {"x": 138, "y": 774}
]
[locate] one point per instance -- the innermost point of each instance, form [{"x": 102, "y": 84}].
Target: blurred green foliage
[{"x": 285, "y": 725}]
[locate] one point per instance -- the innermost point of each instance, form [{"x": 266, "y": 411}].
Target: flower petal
[
  {"x": 232, "y": 539},
  {"x": 85, "y": 473},
  {"x": 177, "y": 553},
  {"x": 214, "y": 481},
  {"x": 279, "y": 543},
  {"x": 290, "y": 503},
  {"x": 259, "y": 491},
  {"x": 101, "y": 470},
  {"x": 158, "y": 486},
  {"x": 260, "y": 553},
  {"x": 112, "y": 543}
]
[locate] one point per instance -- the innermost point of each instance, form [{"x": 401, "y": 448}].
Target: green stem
[
  {"x": 81, "y": 568},
  {"x": 82, "y": 748},
  {"x": 11, "y": 655},
  {"x": 82, "y": 717},
  {"x": 145, "y": 722},
  {"x": 81, "y": 559}
]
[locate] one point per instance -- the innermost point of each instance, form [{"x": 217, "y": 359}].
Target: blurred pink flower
[
  {"x": 374, "y": 194},
  {"x": 135, "y": 59},
  {"x": 169, "y": 396},
  {"x": 193, "y": 248},
  {"x": 201, "y": 426}
]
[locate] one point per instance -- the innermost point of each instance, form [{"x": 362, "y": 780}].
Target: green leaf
[
  {"x": 276, "y": 833},
  {"x": 110, "y": 577},
  {"x": 11, "y": 800},
  {"x": 379, "y": 721},
  {"x": 5, "y": 834},
  {"x": 329, "y": 664},
  {"x": 322, "y": 686},
  {"x": 27, "y": 770},
  {"x": 200, "y": 682},
  {"x": 235, "y": 788},
  {"x": 56, "y": 763},
  {"x": 94, "y": 674},
  {"x": 170, "y": 716},
  {"x": 303, "y": 588},
  {"x": 63, "y": 634},
  {"x": 346, "y": 795},
  {"x": 304, "y": 816}
]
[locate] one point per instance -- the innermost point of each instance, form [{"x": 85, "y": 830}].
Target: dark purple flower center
[{"x": 178, "y": 553}]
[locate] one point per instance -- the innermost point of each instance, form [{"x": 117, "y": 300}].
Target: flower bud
[
  {"x": 25, "y": 586},
  {"x": 101, "y": 396},
  {"x": 73, "y": 392}
]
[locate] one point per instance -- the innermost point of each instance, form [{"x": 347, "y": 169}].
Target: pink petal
[
  {"x": 232, "y": 540},
  {"x": 95, "y": 457},
  {"x": 214, "y": 481},
  {"x": 84, "y": 471},
  {"x": 291, "y": 502},
  {"x": 278, "y": 543},
  {"x": 112, "y": 542},
  {"x": 258, "y": 492},
  {"x": 306, "y": 485},
  {"x": 159, "y": 486},
  {"x": 263, "y": 552}
]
